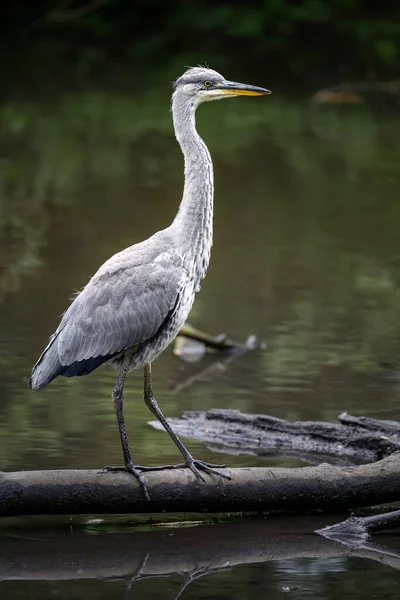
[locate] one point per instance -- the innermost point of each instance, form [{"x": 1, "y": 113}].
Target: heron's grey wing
[{"x": 118, "y": 309}]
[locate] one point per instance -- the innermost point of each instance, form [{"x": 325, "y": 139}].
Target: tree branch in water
[
  {"x": 355, "y": 531},
  {"x": 351, "y": 440}
]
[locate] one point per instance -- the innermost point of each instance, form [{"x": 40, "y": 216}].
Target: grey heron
[{"x": 139, "y": 299}]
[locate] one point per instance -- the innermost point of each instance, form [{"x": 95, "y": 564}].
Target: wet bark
[
  {"x": 321, "y": 487},
  {"x": 350, "y": 441}
]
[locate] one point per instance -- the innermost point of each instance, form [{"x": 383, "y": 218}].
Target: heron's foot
[
  {"x": 196, "y": 466},
  {"x": 136, "y": 471}
]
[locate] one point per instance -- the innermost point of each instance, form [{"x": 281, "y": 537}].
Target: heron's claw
[
  {"x": 196, "y": 465},
  {"x": 136, "y": 472}
]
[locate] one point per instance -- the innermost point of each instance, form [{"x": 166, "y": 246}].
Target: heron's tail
[{"x": 47, "y": 367}]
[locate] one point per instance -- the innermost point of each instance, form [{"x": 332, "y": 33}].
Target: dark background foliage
[{"x": 313, "y": 40}]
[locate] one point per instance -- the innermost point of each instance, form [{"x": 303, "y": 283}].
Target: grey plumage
[
  {"x": 124, "y": 305},
  {"x": 138, "y": 300}
]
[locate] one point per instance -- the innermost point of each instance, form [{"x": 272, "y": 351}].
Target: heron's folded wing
[{"x": 118, "y": 309}]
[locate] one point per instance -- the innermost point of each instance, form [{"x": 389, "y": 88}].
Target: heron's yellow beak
[{"x": 232, "y": 88}]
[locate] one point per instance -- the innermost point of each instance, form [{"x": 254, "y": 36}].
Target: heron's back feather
[{"x": 124, "y": 304}]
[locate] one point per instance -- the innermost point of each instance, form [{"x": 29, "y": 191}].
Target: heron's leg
[
  {"x": 194, "y": 464},
  {"x": 118, "y": 399}
]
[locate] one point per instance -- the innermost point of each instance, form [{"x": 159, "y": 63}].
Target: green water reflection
[
  {"x": 256, "y": 558},
  {"x": 306, "y": 256}
]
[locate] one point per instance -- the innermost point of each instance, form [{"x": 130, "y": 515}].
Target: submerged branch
[
  {"x": 356, "y": 530},
  {"x": 320, "y": 487}
]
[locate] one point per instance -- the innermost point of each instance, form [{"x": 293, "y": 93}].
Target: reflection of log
[
  {"x": 211, "y": 364},
  {"x": 301, "y": 489},
  {"x": 63, "y": 556},
  {"x": 354, "y": 440}
]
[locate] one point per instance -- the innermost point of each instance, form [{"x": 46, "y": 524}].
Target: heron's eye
[{"x": 207, "y": 84}]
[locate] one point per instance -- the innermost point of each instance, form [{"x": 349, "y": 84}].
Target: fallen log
[
  {"x": 352, "y": 440},
  {"x": 321, "y": 487}
]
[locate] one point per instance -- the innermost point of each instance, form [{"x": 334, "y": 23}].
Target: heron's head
[{"x": 200, "y": 84}]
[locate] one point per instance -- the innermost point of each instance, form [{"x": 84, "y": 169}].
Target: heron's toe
[
  {"x": 196, "y": 466},
  {"x": 135, "y": 471}
]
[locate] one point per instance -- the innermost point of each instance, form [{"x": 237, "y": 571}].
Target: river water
[{"x": 306, "y": 257}]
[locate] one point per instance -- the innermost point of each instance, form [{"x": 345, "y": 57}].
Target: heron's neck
[{"x": 193, "y": 222}]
